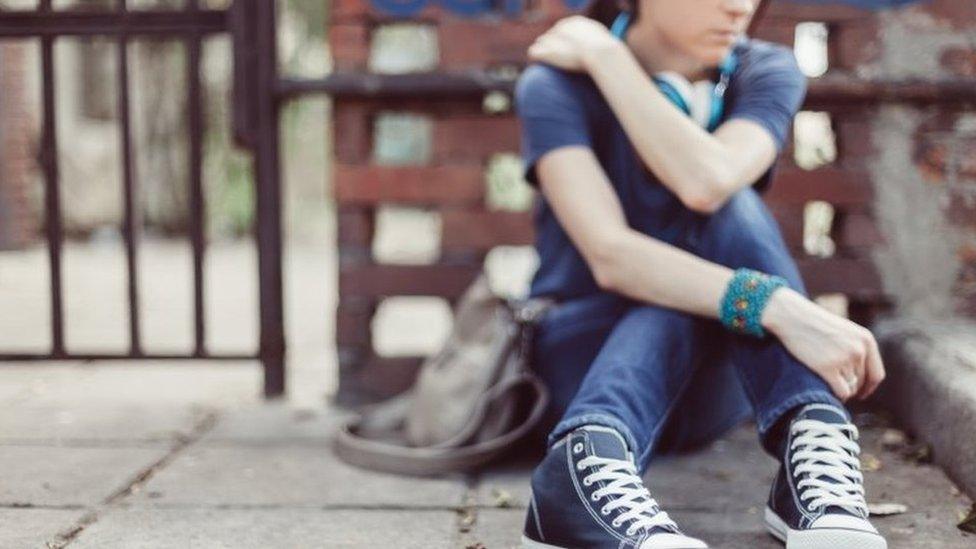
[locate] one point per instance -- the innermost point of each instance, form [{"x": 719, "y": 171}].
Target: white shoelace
[
  {"x": 826, "y": 452},
  {"x": 626, "y": 490}
]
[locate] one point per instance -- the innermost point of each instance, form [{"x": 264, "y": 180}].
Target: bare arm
[
  {"x": 631, "y": 263},
  {"x": 622, "y": 259},
  {"x": 701, "y": 168}
]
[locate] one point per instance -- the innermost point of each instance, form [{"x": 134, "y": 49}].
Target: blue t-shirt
[{"x": 557, "y": 108}]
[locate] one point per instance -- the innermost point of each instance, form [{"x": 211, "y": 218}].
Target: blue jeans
[{"x": 670, "y": 381}]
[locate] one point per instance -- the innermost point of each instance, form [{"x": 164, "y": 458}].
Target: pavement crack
[
  {"x": 467, "y": 512},
  {"x": 181, "y": 442}
]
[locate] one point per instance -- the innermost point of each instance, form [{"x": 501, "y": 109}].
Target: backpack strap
[{"x": 379, "y": 455}]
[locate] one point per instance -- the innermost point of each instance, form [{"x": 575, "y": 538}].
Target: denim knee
[{"x": 744, "y": 233}]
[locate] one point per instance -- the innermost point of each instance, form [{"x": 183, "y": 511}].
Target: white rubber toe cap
[
  {"x": 843, "y": 521},
  {"x": 673, "y": 541}
]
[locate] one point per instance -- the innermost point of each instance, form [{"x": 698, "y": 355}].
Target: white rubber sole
[
  {"x": 821, "y": 538},
  {"x": 532, "y": 544}
]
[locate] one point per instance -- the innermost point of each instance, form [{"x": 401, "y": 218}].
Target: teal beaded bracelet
[{"x": 744, "y": 300}]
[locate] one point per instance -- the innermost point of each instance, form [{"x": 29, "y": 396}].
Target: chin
[{"x": 713, "y": 56}]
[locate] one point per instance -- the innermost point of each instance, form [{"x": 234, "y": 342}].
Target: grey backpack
[{"x": 471, "y": 401}]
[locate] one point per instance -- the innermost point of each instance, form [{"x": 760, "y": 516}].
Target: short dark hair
[{"x": 605, "y": 11}]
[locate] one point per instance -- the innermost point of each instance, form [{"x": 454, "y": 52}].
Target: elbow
[
  {"x": 605, "y": 261},
  {"x": 707, "y": 195},
  {"x": 703, "y": 202},
  {"x": 603, "y": 275}
]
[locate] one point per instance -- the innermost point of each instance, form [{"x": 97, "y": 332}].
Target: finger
[
  {"x": 875, "y": 370},
  {"x": 565, "y": 22},
  {"x": 544, "y": 41},
  {"x": 540, "y": 50},
  {"x": 858, "y": 369},
  {"x": 839, "y": 386}
]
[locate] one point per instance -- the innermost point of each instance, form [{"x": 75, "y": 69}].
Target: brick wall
[
  {"x": 925, "y": 172},
  {"x": 464, "y": 137},
  {"x": 17, "y": 219}
]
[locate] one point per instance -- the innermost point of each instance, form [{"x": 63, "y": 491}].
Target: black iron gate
[{"x": 251, "y": 23}]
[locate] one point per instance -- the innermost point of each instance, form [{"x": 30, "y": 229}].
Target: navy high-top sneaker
[
  {"x": 586, "y": 494},
  {"x": 817, "y": 499}
]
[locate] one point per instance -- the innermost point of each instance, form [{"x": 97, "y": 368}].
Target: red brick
[
  {"x": 797, "y": 12},
  {"x": 355, "y": 226},
  {"x": 964, "y": 291},
  {"x": 483, "y": 230},
  {"x": 553, "y": 8},
  {"x": 353, "y": 132},
  {"x": 17, "y": 164},
  {"x": 932, "y": 159},
  {"x": 957, "y": 14},
  {"x": 474, "y": 138},
  {"x": 961, "y": 208},
  {"x": 838, "y": 186},
  {"x": 345, "y": 10},
  {"x": 353, "y": 323},
  {"x": 349, "y": 44},
  {"x": 853, "y": 132},
  {"x": 858, "y": 278},
  {"x": 960, "y": 61},
  {"x": 372, "y": 184},
  {"x": 780, "y": 31},
  {"x": 966, "y": 156},
  {"x": 467, "y": 44},
  {"x": 854, "y": 43},
  {"x": 393, "y": 280},
  {"x": 858, "y": 230}
]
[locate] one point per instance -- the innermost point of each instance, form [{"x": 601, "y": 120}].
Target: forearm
[
  {"x": 652, "y": 271},
  {"x": 686, "y": 158}
]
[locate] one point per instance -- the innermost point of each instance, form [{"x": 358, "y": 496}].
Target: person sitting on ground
[{"x": 651, "y": 127}]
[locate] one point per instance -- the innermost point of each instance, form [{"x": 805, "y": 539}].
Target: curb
[{"x": 930, "y": 388}]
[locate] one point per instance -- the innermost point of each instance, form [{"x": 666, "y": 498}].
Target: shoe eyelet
[
  {"x": 580, "y": 467},
  {"x": 587, "y": 481},
  {"x": 604, "y": 511},
  {"x": 578, "y": 447},
  {"x": 615, "y": 523},
  {"x": 594, "y": 497},
  {"x": 629, "y": 532}
]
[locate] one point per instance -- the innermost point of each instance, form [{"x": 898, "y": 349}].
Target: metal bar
[
  {"x": 196, "y": 198},
  {"x": 837, "y": 89},
  {"x": 15, "y": 357},
  {"x": 267, "y": 172},
  {"x": 433, "y": 86},
  {"x": 131, "y": 221},
  {"x": 52, "y": 197},
  {"x": 21, "y": 24},
  {"x": 245, "y": 58}
]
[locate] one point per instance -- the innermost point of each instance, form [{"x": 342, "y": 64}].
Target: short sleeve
[
  {"x": 769, "y": 90},
  {"x": 552, "y": 114}
]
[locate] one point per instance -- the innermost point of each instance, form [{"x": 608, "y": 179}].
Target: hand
[
  {"x": 830, "y": 345},
  {"x": 572, "y": 42}
]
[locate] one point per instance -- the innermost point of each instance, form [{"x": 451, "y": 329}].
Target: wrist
[
  {"x": 599, "y": 51},
  {"x": 781, "y": 303},
  {"x": 746, "y": 299}
]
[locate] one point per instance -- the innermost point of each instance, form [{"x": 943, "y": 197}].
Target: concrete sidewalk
[
  {"x": 148, "y": 454},
  {"x": 159, "y": 455}
]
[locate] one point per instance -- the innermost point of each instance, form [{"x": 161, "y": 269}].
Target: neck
[{"x": 656, "y": 54}]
